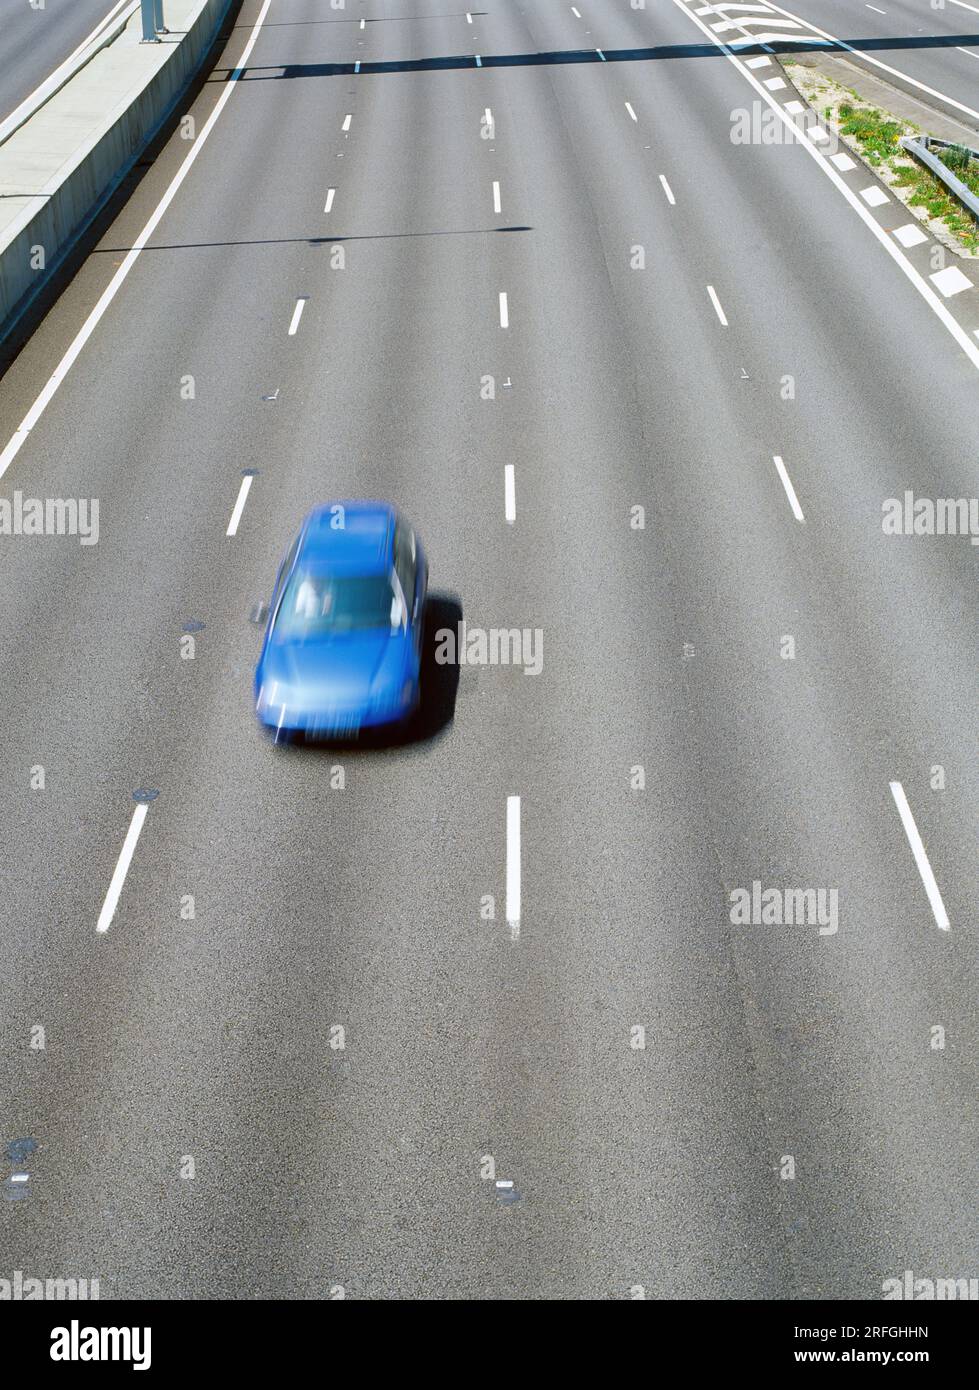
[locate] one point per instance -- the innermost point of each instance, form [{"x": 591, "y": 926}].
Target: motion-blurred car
[{"x": 342, "y": 649}]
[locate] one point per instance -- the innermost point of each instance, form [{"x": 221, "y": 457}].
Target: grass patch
[{"x": 878, "y": 137}]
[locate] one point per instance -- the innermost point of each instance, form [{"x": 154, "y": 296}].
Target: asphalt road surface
[
  {"x": 35, "y": 40},
  {"x": 935, "y": 47},
  {"x": 791, "y": 1128}
]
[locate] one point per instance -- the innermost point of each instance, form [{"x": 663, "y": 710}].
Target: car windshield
[{"x": 316, "y": 604}]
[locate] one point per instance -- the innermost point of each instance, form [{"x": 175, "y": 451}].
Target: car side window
[
  {"x": 287, "y": 564},
  {"x": 405, "y": 563}
]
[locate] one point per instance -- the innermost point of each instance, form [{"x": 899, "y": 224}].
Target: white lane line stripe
[
  {"x": 122, "y": 868},
  {"x": 239, "y": 506},
  {"x": 297, "y": 314},
  {"x": 497, "y": 204},
  {"x": 910, "y": 234},
  {"x": 874, "y": 7},
  {"x": 575, "y": 12},
  {"x": 920, "y": 857},
  {"x": 469, "y": 18},
  {"x": 479, "y": 61},
  {"x": 963, "y": 6},
  {"x": 509, "y": 493},
  {"x": 628, "y": 107},
  {"x": 363, "y": 22},
  {"x": 667, "y": 190},
  {"x": 357, "y": 66},
  {"x": 717, "y": 304},
  {"x": 330, "y": 195},
  {"x": 951, "y": 325},
  {"x": 967, "y": 50},
  {"x": 950, "y": 281},
  {"x": 504, "y": 310},
  {"x": 601, "y": 55},
  {"x": 16, "y": 442},
  {"x": 783, "y": 473},
  {"x": 513, "y": 865},
  {"x": 346, "y": 121}
]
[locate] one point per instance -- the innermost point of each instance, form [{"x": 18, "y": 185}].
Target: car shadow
[{"x": 439, "y": 683}]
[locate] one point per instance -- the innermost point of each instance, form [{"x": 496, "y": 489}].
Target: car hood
[{"x": 343, "y": 667}]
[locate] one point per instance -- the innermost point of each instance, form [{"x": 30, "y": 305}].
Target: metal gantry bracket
[{"x": 153, "y": 25}]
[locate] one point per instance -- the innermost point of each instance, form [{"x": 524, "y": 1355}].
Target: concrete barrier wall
[{"x": 56, "y": 211}]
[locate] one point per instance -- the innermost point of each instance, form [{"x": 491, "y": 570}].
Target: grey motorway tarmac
[
  {"x": 937, "y": 46},
  {"x": 36, "y": 39},
  {"x": 316, "y": 908}
]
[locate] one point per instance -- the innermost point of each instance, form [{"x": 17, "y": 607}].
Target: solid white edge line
[
  {"x": 509, "y": 493},
  {"x": 504, "y": 310},
  {"x": 513, "y": 865},
  {"x": 920, "y": 856},
  {"x": 717, "y": 304},
  {"x": 783, "y": 473},
  {"x": 19, "y": 436},
  {"x": 122, "y": 868},
  {"x": 960, "y": 335},
  {"x": 239, "y": 506},
  {"x": 667, "y": 190}
]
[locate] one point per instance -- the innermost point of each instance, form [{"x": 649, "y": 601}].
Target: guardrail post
[{"x": 148, "y": 14}]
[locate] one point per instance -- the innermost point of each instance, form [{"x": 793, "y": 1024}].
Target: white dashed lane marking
[
  {"x": 239, "y": 507},
  {"x": 297, "y": 314},
  {"x": 950, "y": 281},
  {"x": 920, "y": 856},
  {"x": 122, "y": 867},
  {"x": 783, "y": 473},
  {"x": 910, "y": 235},
  {"x": 717, "y": 304},
  {"x": 513, "y": 865}
]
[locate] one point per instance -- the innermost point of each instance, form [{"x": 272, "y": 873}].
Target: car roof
[{"x": 361, "y": 545}]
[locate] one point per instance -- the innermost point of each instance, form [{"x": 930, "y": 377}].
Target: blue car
[{"x": 342, "y": 649}]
